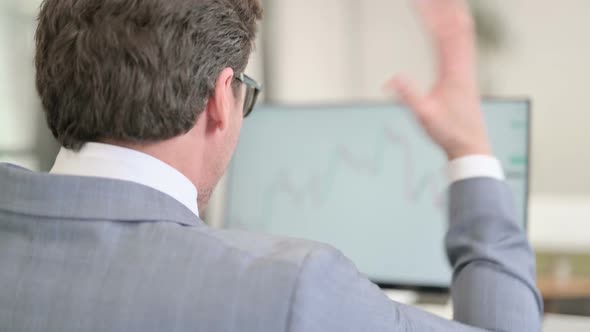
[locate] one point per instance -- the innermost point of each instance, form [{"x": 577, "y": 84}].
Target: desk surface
[
  {"x": 559, "y": 323},
  {"x": 552, "y": 322}
]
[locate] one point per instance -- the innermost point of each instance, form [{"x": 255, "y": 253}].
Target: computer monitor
[{"x": 365, "y": 179}]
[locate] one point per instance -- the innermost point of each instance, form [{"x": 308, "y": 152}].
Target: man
[{"x": 147, "y": 99}]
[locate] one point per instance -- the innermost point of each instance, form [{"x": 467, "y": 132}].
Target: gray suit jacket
[{"x": 90, "y": 254}]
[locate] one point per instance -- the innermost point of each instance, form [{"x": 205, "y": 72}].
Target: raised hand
[{"x": 451, "y": 112}]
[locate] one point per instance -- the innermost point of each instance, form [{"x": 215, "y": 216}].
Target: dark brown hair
[{"x": 136, "y": 70}]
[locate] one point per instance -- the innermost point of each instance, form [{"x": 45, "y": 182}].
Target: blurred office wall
[{"x": 24, "y": 137}]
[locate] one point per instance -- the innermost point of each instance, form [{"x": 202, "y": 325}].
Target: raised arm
[{"x": 494, "y": 271}]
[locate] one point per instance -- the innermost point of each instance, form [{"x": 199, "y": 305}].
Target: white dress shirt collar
[{"x": 114, "y": 162}]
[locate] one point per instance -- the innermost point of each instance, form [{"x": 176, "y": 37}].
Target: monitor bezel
[{"x": 434, "y": 289}]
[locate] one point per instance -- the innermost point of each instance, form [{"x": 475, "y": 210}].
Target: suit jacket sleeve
[{"x": 493, "y": 284}]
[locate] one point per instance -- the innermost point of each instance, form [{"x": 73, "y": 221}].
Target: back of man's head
[{"x": 136, "y": 71}]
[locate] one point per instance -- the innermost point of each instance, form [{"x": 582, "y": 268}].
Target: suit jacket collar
[
  {"x": 119, "y": 163},
  {"x": 87, "y": 198}
]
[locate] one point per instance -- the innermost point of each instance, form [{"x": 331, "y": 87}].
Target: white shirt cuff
[{"x": 475, "y": 166}]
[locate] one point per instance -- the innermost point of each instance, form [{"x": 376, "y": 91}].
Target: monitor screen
[{"x": 364, "y": 179}]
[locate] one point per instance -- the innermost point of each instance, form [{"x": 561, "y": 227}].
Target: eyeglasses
[{"x": 253, "y": 89}]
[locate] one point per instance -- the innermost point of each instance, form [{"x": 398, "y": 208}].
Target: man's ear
[{"x": 220, "y": 104}]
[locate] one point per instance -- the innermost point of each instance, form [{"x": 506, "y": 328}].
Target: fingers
[
  {"x": 410, "y": 95},
  {"x": 434, "y": 12},
  {"x": 450, "y": 25}
]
